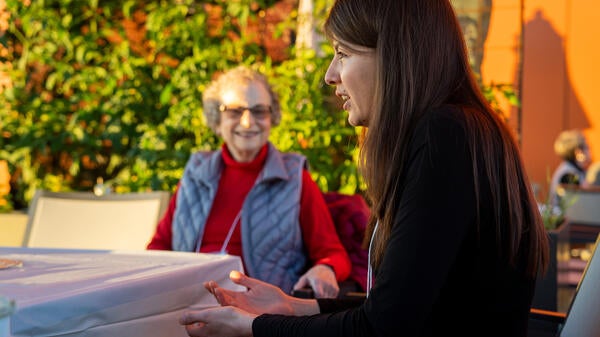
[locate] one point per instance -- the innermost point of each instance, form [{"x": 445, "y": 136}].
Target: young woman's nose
[{"x": 332, "y": 75}]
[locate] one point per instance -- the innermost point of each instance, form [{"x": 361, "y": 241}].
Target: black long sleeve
[{"x": 440, "y": 275}]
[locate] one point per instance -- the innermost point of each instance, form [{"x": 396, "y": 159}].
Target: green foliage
[
  {"x": 90, "y": 98},
  {"x": 112, "y": 89},
  {"x": 554, "y": 215},
  {"x": 492, "y": 90},
  {"x": 6, "y": 205}
]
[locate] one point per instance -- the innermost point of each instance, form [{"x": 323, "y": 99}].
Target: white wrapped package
[{"x": 108, "y": 293}]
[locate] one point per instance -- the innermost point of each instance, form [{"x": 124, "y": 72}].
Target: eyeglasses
[{"x": 259, "y": 111}]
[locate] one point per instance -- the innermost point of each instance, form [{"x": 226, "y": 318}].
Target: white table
[{"x": 62, "y": 292}]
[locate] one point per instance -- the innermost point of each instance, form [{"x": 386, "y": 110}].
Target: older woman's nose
[{"x": 245, "y": 120}]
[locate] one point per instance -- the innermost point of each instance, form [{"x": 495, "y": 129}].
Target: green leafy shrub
[{"x": 112, "y": 90}]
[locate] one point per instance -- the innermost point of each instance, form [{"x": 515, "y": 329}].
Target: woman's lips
[
  {"x": 247, "y": 134},
  {"x": 347, "y": 104}
]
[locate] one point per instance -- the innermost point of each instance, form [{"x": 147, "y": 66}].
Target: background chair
[
  {"x": 82, "y": 220},
  {"x": 583, "y": 213},
  {"x": 350, "y": 214},
  {"x": 581, "y": 320}
]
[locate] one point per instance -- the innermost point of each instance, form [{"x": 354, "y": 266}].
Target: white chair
[
  {"x": 582, "y": 318},
  {"x": 585, "y": 209},
  {"x": 82, "y": 220},
  {"x": 583, "y": 214}
]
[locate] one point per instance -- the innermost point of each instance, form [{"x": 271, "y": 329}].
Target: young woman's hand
[
  {"x": 260, "y": 298},
  {"x": 218, "y": 321}
]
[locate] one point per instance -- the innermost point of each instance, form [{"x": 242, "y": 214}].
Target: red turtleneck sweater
[{"x": 318, "y": 232}]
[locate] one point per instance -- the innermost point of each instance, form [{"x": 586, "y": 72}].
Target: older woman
[{"x": 251, "y": 200}]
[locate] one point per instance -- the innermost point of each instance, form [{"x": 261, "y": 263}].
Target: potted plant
[{"x": 558, "y": 228}]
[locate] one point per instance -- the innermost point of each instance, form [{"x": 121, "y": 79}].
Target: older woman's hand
[{"x": 321, "y": 279}]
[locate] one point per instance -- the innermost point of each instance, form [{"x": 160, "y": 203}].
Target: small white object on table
[
  {"x": 93, "y": 293},
  {"x": 6, "y": 309}
]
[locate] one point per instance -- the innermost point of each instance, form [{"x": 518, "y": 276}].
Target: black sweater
[{"x": 441, "y": 274}]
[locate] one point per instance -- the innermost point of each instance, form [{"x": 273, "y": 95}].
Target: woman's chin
[{"x": 357, "y": 122}]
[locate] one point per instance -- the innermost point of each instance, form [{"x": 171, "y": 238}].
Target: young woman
[{"x": 456, "y": 237}]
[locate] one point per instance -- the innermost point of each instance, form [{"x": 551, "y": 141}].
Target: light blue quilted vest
[{"x": 272, "y": 246}]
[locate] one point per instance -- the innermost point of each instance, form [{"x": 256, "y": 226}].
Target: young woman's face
[
  {"x": 245, "y": 119},
  {"x": 353, "y": 72}
]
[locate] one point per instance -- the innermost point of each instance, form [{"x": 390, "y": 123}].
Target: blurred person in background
[{"x": 572, "y": 148}]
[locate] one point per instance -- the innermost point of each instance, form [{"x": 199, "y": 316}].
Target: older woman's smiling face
[
  {"x": 243, "y": 131},
  {"x": 353, "y": 71}
]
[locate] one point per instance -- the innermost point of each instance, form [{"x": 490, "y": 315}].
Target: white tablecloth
[{"x": 108, "y": 293}]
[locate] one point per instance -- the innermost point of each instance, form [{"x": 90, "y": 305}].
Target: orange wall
[{"x": 561, "y": 64}]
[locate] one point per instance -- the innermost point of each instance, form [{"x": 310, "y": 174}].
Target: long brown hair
[{"x": 421, "y": 41}]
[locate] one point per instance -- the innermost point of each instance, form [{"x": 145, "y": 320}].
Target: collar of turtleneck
[{"x": 256, "y": 164}]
